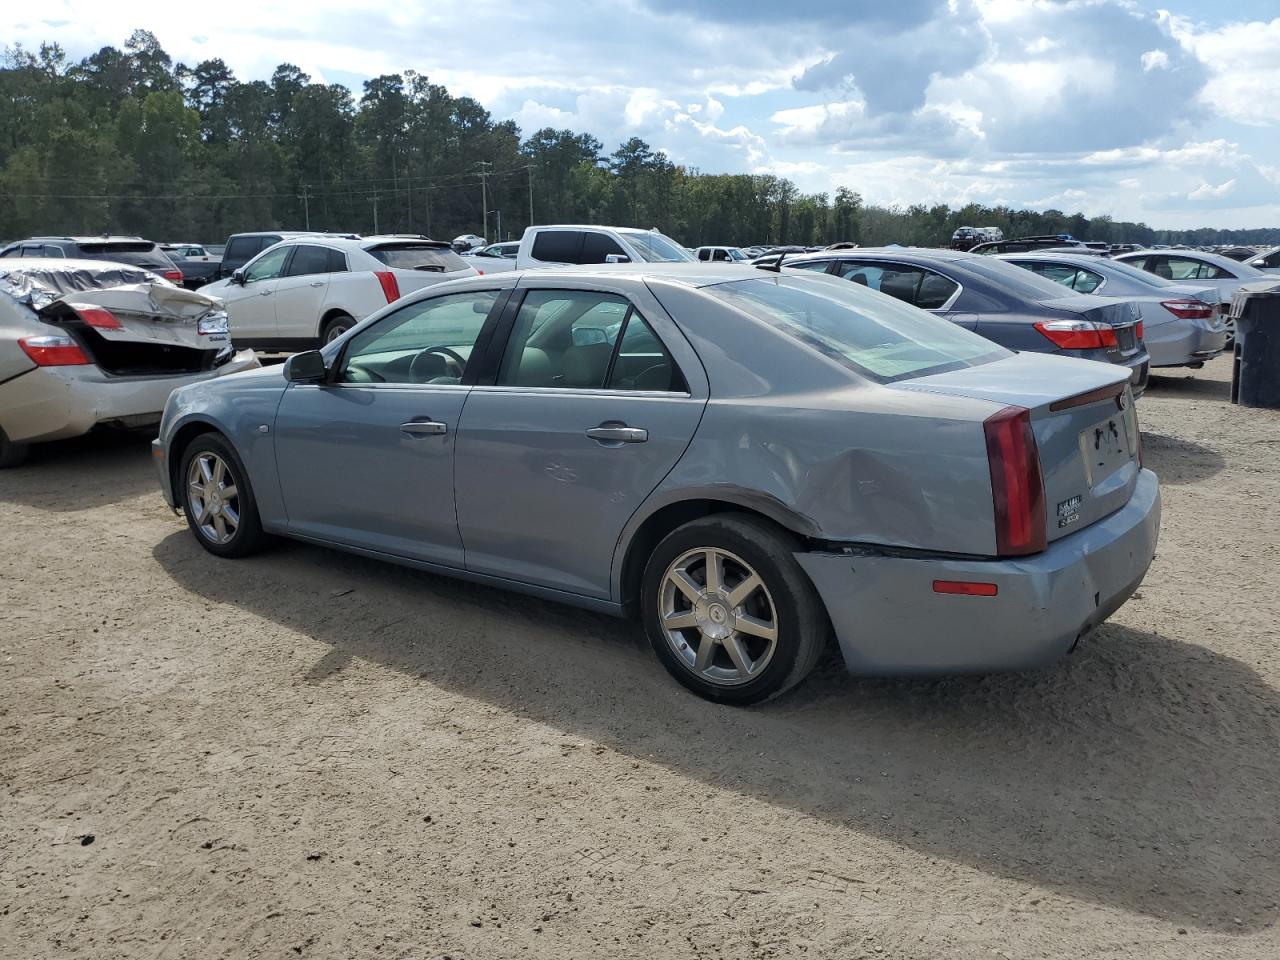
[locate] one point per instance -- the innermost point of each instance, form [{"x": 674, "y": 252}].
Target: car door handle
[
  {"x": 424, "y": 428},
  {"x": 618, "y": 433},
  {"x": 317, "y": 283},
  {"x": 264, "y": 293}
]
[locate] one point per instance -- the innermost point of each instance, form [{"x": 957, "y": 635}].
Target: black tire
[
  {"x": 12, "y": 454},
  {"x": 335, "y": 327},
  {"x": 248, "y": 536},
  {"x": 799, "y": 617}
]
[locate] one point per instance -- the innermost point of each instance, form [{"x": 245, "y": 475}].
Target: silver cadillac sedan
[{"x": 749, "y": 461}]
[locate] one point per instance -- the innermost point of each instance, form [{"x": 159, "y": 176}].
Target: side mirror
[
  {"x": 616, "y": 258},
  {"x": 237, "y": 276},
  {"x": 307, "y": 367}
]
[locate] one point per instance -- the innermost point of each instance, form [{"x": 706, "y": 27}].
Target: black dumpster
[{"x": 1255, "y": 380}]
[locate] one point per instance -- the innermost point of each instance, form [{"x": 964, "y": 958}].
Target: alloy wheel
[
  {"x": 213, "y": 497},
  {"x": 718, "y": 617}
]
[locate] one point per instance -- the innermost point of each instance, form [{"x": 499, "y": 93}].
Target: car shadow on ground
[
  {"x": 1188, "y": 385},
  {"x": 1161, "y": 753},
  {"x": 1177, "y": 461},
  {"x": 67, "y": 475}
]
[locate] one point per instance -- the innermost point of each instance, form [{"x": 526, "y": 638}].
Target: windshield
[
  {"x": 737, "y": 254},
  {"x": 655, "y": 248},
  {"x": 874, "y": 335}
]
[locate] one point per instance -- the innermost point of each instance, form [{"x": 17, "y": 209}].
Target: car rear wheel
[
  {"x": 728, "y": 610},
  {"x": 218, "y": 500},
  {"x": 12, "y": 454},
  {"x": 336, "y": 326}
]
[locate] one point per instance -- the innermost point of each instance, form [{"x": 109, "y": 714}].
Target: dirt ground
[{"x": 309, "y": 754}]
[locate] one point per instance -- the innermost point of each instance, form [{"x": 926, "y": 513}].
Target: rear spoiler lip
[{"x": 1088, "y": 397}]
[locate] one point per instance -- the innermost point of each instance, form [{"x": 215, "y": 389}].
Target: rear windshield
[
  {"x": 874, "y": 335},
  {"x": 419, "y": 256},
  {"x": 138, "y": 253},
  {"x": 656, "y": 248},
  {"x": 1015, "y": 280}
]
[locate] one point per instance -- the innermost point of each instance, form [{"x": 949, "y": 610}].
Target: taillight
[
  {"x": 173, "y": 275},
  {"x": 97, "y": 317},
  {"x": 1189, "y": 309},
  {"x": 53, "y": 351},
  {"x": 1077, "y": 334},
  {"x": 1017, "y": 485},
  {"x": 1137, "y": 330},
  {"x": 390, "y": 288}
]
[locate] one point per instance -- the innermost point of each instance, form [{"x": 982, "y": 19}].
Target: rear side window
[
  {"x": 308, "y": 260},
  {"x": 910, "y": 284},
  {"x": 336, "y": 263},
  {"x": 598, "y": 247},
  {"x": 418, "y": 256},
  {"x": 557, "y": 246},
  {"x": 243, "y": 248}
]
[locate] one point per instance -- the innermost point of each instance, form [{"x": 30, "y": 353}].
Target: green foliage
[{"x": 127, "y": 141}]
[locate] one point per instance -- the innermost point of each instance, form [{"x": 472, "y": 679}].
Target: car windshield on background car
[
  {"x": 875, "y": 336},
  {"x": 656, "y": 248},
  {"x": 419, "y": 256}
]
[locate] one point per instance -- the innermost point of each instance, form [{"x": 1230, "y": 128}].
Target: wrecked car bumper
[{"x": 55, "y": 403}]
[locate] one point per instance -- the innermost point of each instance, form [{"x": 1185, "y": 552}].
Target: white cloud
[{"x": 1155, "y": 60}]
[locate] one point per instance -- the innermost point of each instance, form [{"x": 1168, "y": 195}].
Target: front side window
[
  {"x": 267, "y": 266},
  {"x": 873, "y": 336},
  {"x": 586, "y": 340},
  {"x": 598, "y": 247},
  {"x": 429, "y": 341},
  {"x": 654, "y": 247}
]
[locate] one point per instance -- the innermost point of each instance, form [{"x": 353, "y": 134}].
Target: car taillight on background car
[
  {"x": 1017, "y": 484},
  {"x": 390, "y": 287},
  {"x": 173, "y": 275},
  {"x": 53, "y": 351},
  {"x": 1078, "y": 334},
  {"x": 1189, "y": 309}
]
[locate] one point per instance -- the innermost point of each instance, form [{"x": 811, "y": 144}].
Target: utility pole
[
  {"x": 484, "y": 192},
  {"x": 375, "y": 210},
  {"x": 498, "y": 237},
  {"x": 530, "y": 169},
  {"x": 306, "y": 204}
]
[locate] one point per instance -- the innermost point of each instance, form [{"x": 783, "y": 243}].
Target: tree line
[{"x": 127, "y": 141}]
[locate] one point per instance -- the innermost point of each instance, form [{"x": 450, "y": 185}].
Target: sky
[{"x": 1164, "y": 112}]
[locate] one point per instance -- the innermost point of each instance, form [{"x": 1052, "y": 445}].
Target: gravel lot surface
[{"x": 310, "y": 754}]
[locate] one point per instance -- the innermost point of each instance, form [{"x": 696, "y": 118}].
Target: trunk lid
[
  {"x": 143, "y": 328},
  {"x": 1120, "y": 314},
  {"x": 1085, "y": 425}
]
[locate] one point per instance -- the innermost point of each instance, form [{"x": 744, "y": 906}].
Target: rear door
[
  {"x": 300, "y": 292},
  {"x": 587, "y": 412}
]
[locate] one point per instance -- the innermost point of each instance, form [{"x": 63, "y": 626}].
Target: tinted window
[
  {"x": 336, "y": 263},
  {"x": 308, "y": 260},
  {"x": 895, "y": 279},
  {"x": 642, "y": 363},
  {"x": 873, "y": 336},
  {"x": 398, "y": 348},
  {"x": 557, "y": 246},
  {"x": 596, "y": 247},
  {"x": 818, "y": 266},
  {"x": 563, "y": 338},
  {"x": 242, "y": 248},
  {"x": 419, "y": 256},
  {"x": 704, "y": 255},
  {"x": 934, "y": 291},
  {"x": 139, "y": 253}
]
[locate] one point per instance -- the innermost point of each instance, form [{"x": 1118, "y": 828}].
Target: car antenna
[{"x": 776, "y": 266}]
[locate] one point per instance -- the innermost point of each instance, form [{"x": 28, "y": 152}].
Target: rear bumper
[
  {"x": 889, "y": 620},
  {"x": 1178, "y": 343},
  {"x": 54, "y": 403}
]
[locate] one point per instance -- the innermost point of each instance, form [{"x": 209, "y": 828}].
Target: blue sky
[{"x": 1166, "y": 112}]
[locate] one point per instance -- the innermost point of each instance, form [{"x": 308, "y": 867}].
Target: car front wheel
[
  {"x": 218, "y": 500},
  {"x": 728, "y": 610}
]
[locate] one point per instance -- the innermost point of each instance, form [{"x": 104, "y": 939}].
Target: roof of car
[
  {"x": 98, "y": 239},
  {"x": 1214, "y": 258}
]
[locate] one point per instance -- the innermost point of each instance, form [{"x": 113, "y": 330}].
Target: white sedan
[
  {"x": 495, "y": 258},
  {"x": 306, "y": 291}
]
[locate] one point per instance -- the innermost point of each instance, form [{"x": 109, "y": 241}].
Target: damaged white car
[{"x": 85, "y": 344}]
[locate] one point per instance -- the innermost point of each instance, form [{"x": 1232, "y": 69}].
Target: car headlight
[{"x": 213, "y": 323}]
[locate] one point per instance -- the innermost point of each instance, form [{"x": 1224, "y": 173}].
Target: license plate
[
  {"x": 1126, "y": 339},
  {"x": 1104, "y": 447}
]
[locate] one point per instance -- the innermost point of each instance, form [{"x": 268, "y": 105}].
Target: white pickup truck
[{"x": 555, "y": 246}]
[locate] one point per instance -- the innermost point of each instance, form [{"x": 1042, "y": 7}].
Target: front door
[
  {"x": 588, "y": 414},
  {"x": 251, "y": 306},
  {"x": 367, "y": 459},
  {"x": 300, "y": 292}
]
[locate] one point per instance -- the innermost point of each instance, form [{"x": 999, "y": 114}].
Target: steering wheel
[{"x": 419, "y": 374}]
